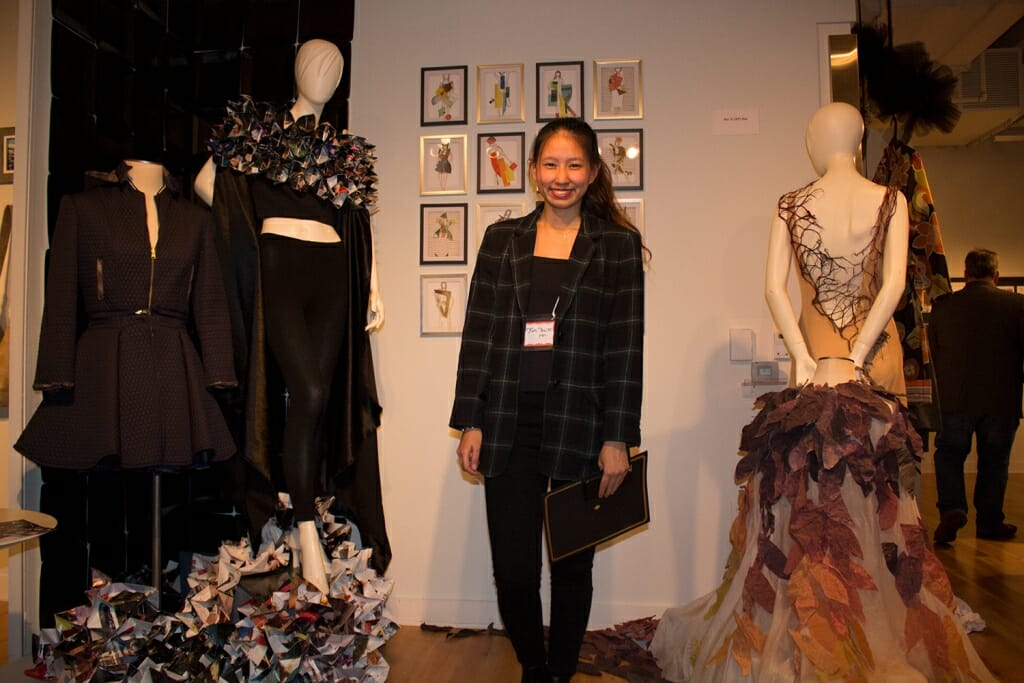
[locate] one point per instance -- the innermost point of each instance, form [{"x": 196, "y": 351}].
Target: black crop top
[{"x": 280, "y": 200}]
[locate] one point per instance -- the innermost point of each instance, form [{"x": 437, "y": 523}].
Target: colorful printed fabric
[
  {"x": 255, "y": 138},
  {"x": 927, "y": 271}
]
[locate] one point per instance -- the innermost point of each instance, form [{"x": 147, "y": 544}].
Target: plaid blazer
[{"x": 596, "y": 383}]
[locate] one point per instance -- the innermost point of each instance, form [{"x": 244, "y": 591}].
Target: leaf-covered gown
[{"x": 831, "y": 576}]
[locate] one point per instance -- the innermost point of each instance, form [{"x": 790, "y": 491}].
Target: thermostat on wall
[{"x": 764, "y": 371}]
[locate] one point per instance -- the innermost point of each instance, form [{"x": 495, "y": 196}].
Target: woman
[
  {"x": 830, "y": 576},
  {"x": 549, "y": 380}
]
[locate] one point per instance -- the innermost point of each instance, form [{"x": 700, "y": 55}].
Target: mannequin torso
[
  {"x": 856, "y": 233},
  {"x": 148, "y": 178},
  {"x": 318, "y": 71}
]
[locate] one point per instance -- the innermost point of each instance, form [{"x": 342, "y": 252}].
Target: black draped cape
[{"x": 349, "y": 431}]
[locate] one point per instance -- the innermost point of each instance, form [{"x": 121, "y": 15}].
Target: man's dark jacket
[{"x": 977, "y": 340}]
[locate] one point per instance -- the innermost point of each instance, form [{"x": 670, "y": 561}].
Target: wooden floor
[
  {"x": 415, "y": 655},
  {"x": 989, "y": 575}
]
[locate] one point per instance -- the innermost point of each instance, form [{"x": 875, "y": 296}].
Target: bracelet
[
  {"x": 835, "y": 357},
  {"x": 469, "y": 429}
]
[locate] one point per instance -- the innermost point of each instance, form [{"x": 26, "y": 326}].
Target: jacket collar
[
  {"x": 119, "y": 176},
  {"x": 523, "y": 243}
]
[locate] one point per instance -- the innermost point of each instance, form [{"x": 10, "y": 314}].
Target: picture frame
[
  {"x": 633, "y": 207},
  {"x": 442, "y": 304},
  {"x": 623, "y": 150},
  {"x": 618, "y": 89},
  {"x": 489, "y": 214},
  {"x": 443, "y": 164},
  {"x": 559, "y": 90},
  {"x": 443, "y": 233},
  {"x": 443, "y": 95},
  {"x": 500, "y": 162},
  {"x": 499, "y": 93},
  {"x": 6, "y": 156}
]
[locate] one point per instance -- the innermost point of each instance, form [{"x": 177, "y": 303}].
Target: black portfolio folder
[{"x": 575, "y": 518}]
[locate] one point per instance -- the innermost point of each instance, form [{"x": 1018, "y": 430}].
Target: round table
[{"x": 43, "y": 522}]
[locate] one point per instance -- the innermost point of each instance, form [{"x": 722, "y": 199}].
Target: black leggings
[
  {"x": 305, "y": 300},
  {"x": 515, "y": 517}
]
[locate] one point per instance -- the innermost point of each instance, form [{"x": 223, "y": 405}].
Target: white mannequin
[
  {"x": 148, "y": 178},
  {"x": 318, "y": 69},
  {"x": 846, "y": 209}
]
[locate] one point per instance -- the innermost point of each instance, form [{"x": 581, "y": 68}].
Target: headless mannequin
[
  {"x": 846, "y": 208},
  {"x": 318, "y": 69}
]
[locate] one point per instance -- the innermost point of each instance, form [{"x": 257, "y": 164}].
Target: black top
[
  {"x": 280, "y": 200},
  {"x": 545, "y": 288}
]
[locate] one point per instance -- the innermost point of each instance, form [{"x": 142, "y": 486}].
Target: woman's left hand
[{"x": 614, "y": 463}]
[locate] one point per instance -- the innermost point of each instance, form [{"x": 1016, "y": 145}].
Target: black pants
[
  {"x": 515, "y": 517},
  {"x": 305, "y": 300},
  {"x": 994, "y": 435}
]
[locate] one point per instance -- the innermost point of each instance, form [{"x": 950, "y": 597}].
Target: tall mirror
[{"x": 962, "y": 184}]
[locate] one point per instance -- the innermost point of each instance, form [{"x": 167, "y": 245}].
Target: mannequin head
[
  {"x": 835, "y": 130},
  {"x": 318, "y": 69}
]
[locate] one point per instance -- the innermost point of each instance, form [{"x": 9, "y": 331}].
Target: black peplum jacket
[{"x": 133, "y": 339}]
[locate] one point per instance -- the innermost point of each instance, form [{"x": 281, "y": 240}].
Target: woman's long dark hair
[{"x": 599, "y": 199}]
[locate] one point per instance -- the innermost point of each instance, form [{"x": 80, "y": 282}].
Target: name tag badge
[{"x": 539, "y": 335}]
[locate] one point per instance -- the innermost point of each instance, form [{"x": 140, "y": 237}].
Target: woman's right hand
[{"x": 468, "y": 451}]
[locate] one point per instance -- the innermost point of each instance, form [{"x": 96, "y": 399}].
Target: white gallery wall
[
  {"x": 708, "y": 202},
  {"x": 973, "y": 213}
]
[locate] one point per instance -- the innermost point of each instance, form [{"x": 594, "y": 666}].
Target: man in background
[{"x": 977, "y": 341}]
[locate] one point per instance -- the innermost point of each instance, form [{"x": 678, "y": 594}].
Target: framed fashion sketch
[
  {"x": 443, "y": 232},
  {"x": 559, "y": 90},
  {"x": 500, "y": 162},
  {"x": 7, "y": 158},
  {"x": 489, "y": 214},
  {"x": 618, "y": 89},
  {"x": 443, "y": 95},
  {"x": 442, "y": 304},
  {"x": 634, "y": 210},
  {"x": 623, "y": 151},
  {"x": 499, "y": 93},
  {"x": 443, "y": 164}
]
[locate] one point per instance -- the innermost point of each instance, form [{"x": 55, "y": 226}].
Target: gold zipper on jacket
[
  {"x": 152, "y": 272},
  {"x": 99, "y": 279},
  {"x": 149, "y": 297}
]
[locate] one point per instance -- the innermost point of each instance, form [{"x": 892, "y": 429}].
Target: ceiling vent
[
  {"x": 989, "y": 96},
  {"x": 992, "y": 81}
]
